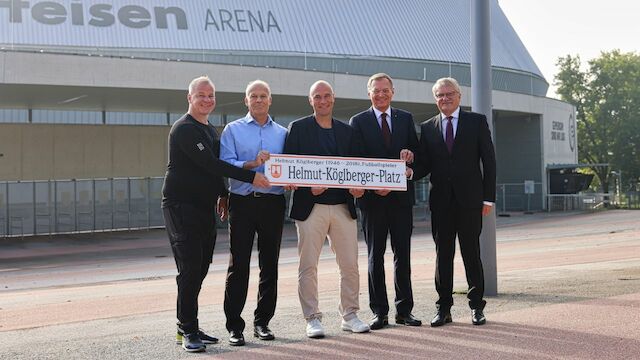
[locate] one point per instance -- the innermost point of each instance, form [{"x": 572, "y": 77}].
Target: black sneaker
[
  {"x": 192, "y": 343},
  {"x": 206, "y": 339}
]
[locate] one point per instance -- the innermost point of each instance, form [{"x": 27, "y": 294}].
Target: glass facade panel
[
  {"x": 135, "y": 118},
  {"x": 14, "y": 115},
  {"x": 43, "y": 116}
]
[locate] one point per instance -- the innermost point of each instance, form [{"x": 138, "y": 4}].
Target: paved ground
[{"x": 569, "y": 288}]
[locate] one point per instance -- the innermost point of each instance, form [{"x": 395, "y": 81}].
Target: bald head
[
  {"x": 321, "y": 98},
  {"x": 321, "y": 84}
]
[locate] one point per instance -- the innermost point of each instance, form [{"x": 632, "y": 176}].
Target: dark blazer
[
  {"x": 303, "y": 139},
  {"x": 369, "y": 139},
  {"x": 459, "y": 173}
]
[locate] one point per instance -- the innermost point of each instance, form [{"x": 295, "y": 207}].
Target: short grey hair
[
  {"x": 446, "y": 81},
  {"x": 256, "y": 83},
  {"x": 378, "y": 76},
  {"x": 197, "y": 81}
]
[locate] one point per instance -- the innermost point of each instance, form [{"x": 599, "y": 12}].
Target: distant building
[{"x": 88, "y": 89}]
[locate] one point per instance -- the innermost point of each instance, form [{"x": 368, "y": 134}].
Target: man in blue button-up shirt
[{"x": 247, "y": 143}]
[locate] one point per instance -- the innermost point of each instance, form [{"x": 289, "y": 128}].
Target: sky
[{"x": 554, "y": 28}]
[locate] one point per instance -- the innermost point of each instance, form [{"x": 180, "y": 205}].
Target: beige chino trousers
[{"x": 335, "y": 223}]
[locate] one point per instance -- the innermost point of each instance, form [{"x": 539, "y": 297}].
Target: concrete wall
[{"x": 48, "y": 151}]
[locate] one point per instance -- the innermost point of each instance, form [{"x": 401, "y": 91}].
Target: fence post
[
  {"x": 148, "y": 203},
  {"x": 49, "y": 205},
  {"x": 129, "y": 203},
  {"x": 75, "y": 204},
  {"x": 35, "y": 210},
  {"x": 113, "y": 205},
  {"x": 6, "y": 203},
  {"x": 55, "y": 205}
]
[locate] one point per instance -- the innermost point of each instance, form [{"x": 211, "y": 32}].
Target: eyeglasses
[{"x": 448, "y": 95}]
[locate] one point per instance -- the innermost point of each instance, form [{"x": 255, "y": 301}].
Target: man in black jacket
[
  {"x": 387, "y": 132},
  {"x": 192, "y": 186},
  {"x": 322, "y": 212},
  {"x": 453, "y": 144}
]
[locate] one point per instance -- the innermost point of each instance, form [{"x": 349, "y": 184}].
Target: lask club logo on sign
[{"x": 276, "y": 170}]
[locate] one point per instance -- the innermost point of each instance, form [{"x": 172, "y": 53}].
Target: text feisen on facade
[{"x": 137, "y": 17}]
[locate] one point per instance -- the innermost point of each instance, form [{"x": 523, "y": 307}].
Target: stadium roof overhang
[{"x": 60, "y": 82}]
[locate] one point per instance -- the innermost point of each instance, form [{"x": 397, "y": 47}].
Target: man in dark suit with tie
[
  {"x": 321, "y": 212},
  {"x": 387, "y": 132},
  {"x": 453, "y": 144}
]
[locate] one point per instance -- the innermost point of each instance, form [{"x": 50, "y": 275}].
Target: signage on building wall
[
  {"x": 557, "y": 131},
  {"x": 110, "y": 23},
  {"x": 572, "y": 133},
  {"x": 564, "y": 132},
  {"x": 86, "y": 13},
  {"x": 332, "y": 27}
]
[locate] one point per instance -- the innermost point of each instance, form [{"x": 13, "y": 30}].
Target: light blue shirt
[{"x": 242, "y": 139}]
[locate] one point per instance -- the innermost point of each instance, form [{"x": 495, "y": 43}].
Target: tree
[{"x": 607, "y": 100}]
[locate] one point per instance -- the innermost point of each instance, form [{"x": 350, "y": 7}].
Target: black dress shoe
[
  {"x": 378, "y": 322},
  {"x": 263, "y": 332},
  {"x": 408, "y": 320},
  {"x": 236, "y": 338},
  {"x": 477, "y": 317},
  {"x": 441, "y": 318}
]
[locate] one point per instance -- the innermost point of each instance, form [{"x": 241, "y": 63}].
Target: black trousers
[
  {"x": 192, "y": 235},
  {"x": 248, "y": 216},
  {"x": 378, "y": 221},
  {"x": 446, "y": 223}
]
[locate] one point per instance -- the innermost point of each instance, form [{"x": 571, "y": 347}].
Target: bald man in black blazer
[
  {"x": 325, "y": 213},
  {"x": 456, "y": 148}
]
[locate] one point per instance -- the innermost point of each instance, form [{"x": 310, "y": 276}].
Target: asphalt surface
[{"x": 568, "y": 283}]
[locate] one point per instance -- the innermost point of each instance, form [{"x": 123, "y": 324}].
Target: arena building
[{"x": 89, "y": 89}]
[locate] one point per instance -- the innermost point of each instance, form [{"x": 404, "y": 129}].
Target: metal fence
[
  {"x": 582, "y": 201},
  {"x": 509, "y": 196},
  {"x": 67, "y": 206},
  {"x": 512, "y": 197},
  {"x": 593, "y": 201},
  {"x": 628, "y": 200}
]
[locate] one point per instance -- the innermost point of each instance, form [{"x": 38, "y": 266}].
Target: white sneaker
[
  {"x": 314, "y": 329},
  {"x": 355, "y": 325}
]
